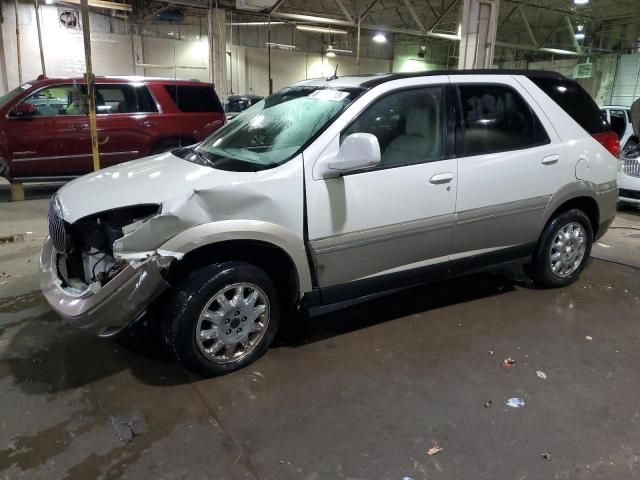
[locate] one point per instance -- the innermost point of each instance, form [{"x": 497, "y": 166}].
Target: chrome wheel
[
  {"x": 567, "y": 249},
  {"x": 233, "y": 323}
]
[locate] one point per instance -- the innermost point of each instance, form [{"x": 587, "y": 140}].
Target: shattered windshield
[{"x": 273, "y": 130}]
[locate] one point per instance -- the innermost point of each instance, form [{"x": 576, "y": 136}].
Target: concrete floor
[{"x": 363, "y": 395}]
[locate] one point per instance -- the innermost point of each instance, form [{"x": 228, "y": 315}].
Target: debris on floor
[
  {"x": 128, "y": 427},
  {"x": 589, "y": 337},
  {"x": 546, "y": 456},
  {"x": 436, "y": 449},
  {"x": 488, "y": 403},
  {"x": 508, "y": 363},
  {"x": 4, "y": 275},
  {"x": 541, "y": 374},
  {"x": 12, "y": 238},
  {"x": 514, "y": 402}
]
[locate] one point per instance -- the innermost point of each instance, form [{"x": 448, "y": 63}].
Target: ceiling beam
[
  {"x": 527, "y": 25},
  {"x": 367, "y": 11},
  {"x": 415, "y": 16},
  {"x": 444, "y": 14},
  {"x": 125, "y": 7},
  {"x": 345, "y": 12}
]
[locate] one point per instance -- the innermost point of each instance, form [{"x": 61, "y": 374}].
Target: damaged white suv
[{"x": 328, "y": 191}]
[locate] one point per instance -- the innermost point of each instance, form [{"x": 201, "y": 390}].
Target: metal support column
[
  {"x": 90, "y": 81},
  {"x": 18, "y": 43},
  {"x": 37, "y": 5},
  {"x": 478, "y": 33}
]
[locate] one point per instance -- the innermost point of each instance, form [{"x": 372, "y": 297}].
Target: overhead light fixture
[
  {"x": 558, "y": 51},
  {"x": 281, "y": 46},
  {"x": 331, "y": 52},
  {"x": 580, "y": 33},
  {"x": 380, "y": 38},
  {"x": 48, "y": 2},
  {"x": 311, "y": 28},
  {"x": 254, "y": 24},
  {"x": 580, "y": 2},
  {"x": 423, "y": 47}
]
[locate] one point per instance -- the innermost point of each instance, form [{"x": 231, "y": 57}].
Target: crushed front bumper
[{"x": 109, "y": 309}]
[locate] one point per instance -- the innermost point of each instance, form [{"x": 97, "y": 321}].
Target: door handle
[
  {"x": 440, "y": 178},
  {"x": 550, "y": 159},
  {"x": 81, "y": 126},
  {"x": 147, "y": 123}
]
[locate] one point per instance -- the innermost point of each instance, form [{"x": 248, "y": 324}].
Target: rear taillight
[{"x": 609, "y": 140}]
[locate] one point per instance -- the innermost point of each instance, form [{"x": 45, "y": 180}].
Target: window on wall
[
  {"x": 58, "y": 100},
  {"x": 408, "y": 125},
  {"x": 496, "y": 118}
]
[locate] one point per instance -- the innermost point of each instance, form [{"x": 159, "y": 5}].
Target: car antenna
[{"x": 335, "y": 74}]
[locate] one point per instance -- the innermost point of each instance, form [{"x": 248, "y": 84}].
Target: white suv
[{"x": 328, "y": 191}]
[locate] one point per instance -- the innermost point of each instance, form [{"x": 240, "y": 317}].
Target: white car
[
  {"x": 619, "y": 118},
  {"x": 326, "y": 192},
  {"x": 629, "y": 176}
]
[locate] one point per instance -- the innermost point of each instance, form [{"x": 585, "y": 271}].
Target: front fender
[{"x": 226, "y": 230}]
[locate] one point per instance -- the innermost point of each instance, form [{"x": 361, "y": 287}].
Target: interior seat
[{"x": 422, "y": 139}]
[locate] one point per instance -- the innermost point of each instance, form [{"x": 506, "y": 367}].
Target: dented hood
[{"x": 155, "y": 179}]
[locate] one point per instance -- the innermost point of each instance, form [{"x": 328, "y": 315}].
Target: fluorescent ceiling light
[
  {"x": 579, "y": 35},
  {"x": 311, "y": 28},
  {"x": 580, "y": 2},
  {"x": 558, "y": 51},
  {"x": 337, "y": 50},
  {"x": 254, "y": 24},
  {"x": 281, "y": 46},
  {"x": 379, "y": 38},
  {"x": 330, "y": 53}
]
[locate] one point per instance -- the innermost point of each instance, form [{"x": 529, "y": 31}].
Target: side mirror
[
  {"x": 24, "y": 110},
  {"x": 358, "y": 150}
]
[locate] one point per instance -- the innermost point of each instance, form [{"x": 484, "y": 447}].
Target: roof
[
  {"x": 113, "y": 79},
  {"x": 372, "y": 80}
]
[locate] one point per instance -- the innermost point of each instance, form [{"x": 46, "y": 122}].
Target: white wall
[{"x": 247, "y": 68}]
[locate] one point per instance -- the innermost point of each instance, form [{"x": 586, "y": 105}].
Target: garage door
[{"x": 626, "y": 86}]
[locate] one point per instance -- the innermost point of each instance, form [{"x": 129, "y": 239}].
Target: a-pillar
[
  {"x": 218, "y": 51},
  {"x": 478, "y": 33}
]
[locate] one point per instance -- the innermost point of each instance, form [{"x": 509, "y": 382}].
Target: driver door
[{"x": 398, "y": 216}]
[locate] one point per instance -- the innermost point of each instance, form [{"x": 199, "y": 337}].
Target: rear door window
[
  {"x": 495, "y": 118},
  {"x": 123, "y": 98},
  {"x": 574, "y": 100},
  {"x": 194, "y": 98}
]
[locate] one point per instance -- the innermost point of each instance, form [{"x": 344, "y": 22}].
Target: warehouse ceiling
[{"x": 609, "y": 25}]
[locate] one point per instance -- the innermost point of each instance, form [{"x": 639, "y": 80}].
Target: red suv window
[{"x": 194, "y": 98}]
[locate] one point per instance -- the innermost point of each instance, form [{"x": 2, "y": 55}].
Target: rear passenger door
[
  {"x": 509, "y": 163},
  {"x": 126, "y": 117}
]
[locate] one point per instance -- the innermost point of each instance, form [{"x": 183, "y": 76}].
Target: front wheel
[
  {"x": 563, "y": 249},
  {"x": 222, "y": 318}
]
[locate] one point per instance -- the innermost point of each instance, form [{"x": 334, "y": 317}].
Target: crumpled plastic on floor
[{"x": 514, "y": 402}]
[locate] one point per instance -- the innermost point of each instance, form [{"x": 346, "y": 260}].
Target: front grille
[
  {"x": 632, "y": 166},
  {"x": 629, "y": 194},
  {"x": 58, "y": 229}
]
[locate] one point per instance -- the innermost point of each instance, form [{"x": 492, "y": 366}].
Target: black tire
[
  {"x": 540, "y": 270},
  {"x": 187, "y": 302}
]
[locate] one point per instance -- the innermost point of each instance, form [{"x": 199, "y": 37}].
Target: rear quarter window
[
  {"x": 574, "y": 100},
  {"x": 194, "y": 98}
]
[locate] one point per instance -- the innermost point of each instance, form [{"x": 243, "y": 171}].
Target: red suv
[{"x": 44, "y": 126}]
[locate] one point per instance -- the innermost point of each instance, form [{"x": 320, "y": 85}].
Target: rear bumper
[{"x": 109, "y": 309}]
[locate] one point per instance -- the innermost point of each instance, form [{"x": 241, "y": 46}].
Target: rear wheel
[
  {"x": 223, "y": 318},
  {"x": 563, "y": 249}
]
